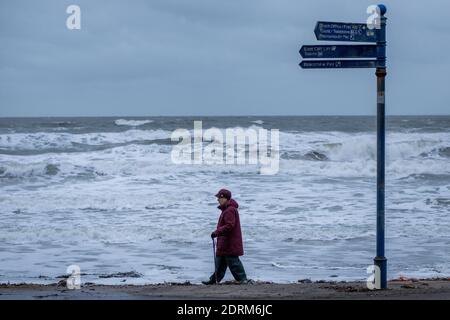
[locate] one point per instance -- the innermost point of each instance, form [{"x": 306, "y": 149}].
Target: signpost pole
[
  {"x": 359, "y": 32},
  {"x": 380, "y": 260}
]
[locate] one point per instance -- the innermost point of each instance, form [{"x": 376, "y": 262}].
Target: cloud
[{"x": 207, "y": 57}]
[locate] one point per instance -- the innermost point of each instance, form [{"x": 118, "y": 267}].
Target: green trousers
[{"x": 232, "y": 262}]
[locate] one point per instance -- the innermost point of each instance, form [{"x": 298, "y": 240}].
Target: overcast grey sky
[{"x": 212, "y": 57}]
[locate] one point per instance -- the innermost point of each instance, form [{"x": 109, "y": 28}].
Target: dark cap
[{"x": 224, "y": 193}]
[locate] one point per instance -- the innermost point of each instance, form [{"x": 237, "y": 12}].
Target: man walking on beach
[{"x": 229, "y": 240}]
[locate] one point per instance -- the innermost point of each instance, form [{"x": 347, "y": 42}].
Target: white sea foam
[
  {"x": 258, "y": 122},
  {"x": 344, "y": 155},
  {"x": 131, "y": 203},
  {"x": 59, "y": 141},
  {"x": 132, "y": 123}
]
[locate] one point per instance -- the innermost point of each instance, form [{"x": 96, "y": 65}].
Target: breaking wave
[
  {"x": 258, "y": 122},
  {"x": 131, "y": 123},
  {"x": 46, "y": 154},
  {"x": 57, "y": 142}
]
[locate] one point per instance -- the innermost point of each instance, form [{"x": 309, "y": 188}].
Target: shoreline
[{"x": 399, "y": 289}]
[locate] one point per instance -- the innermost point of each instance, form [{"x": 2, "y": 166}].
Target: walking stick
[{"x": 215, "y": 262}]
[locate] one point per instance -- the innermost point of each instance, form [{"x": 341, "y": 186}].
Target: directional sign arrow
[
  {"x": 335, "y": 64},
  {"x": 341, "y": 51},
  {"x": 340, "y": 31}
]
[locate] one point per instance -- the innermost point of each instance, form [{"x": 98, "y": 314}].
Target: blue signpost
[
  {"x": 331, "y": 64},
  {"x": 380, "y": 260},
  {"x": 359, "y": 32},
  {"x": 338, "y": 31},
  {"x": 340, "y": 51}
]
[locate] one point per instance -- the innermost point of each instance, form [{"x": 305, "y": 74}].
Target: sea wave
[
  {"x": 131, "y": 123},
  {"x": 321, "y": 154},
  {"x": 337, "y": 146},
  {"x": 258, "y": 122},
  {"x": 57, "y": 142}
]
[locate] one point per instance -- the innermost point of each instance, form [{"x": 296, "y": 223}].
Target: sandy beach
[{"x": 438, "y": 289}]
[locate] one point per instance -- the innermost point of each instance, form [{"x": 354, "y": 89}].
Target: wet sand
[{"x": 417, "y": 289}]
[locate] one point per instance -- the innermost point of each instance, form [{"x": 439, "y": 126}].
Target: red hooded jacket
[{"x": 229, "y": 242}]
